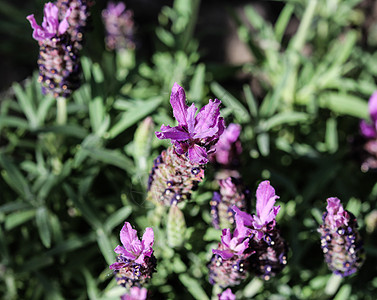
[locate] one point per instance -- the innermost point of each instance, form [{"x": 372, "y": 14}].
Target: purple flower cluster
[
  {"x": 369, "y": 132},
  {"x": 58, "y": 38},
  {"x": 136, "y": 293},
  {"x": 195, "y": 134},
  {"x": 135, "y": 261},
  {"x": 340, "y": 240},
  {"x": 119, "y": 26},
  {"x": 254, "y": 234},
  {"x": 180, "y": 168}
]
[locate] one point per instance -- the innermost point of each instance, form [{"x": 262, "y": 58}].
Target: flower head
[
  {"x": 50, "y": 25},
  {"x": 194, "y": 134},
  {"x": 370, "y": 130},
  {"x": 336, "y": 216},
  {"x": 227, "y": 295}
]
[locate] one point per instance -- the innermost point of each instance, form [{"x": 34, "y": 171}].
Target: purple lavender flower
[
  {"x": 136, "y": 293},
  {"x": 231, "y": 192},
  {"x": 270, "y": 248},
  {"x": 340, "y": 240},
  {"x": 227, "y": 295},
  {"x": 135, "y": 261},
  {"x": 228, "y": 148},
  {"x": 180, "y": 168},
  {"x": 119, "y": 26},
  {"x": 58, "y": 60},
  {"x": 229, "y": 264},
  {"x": 194, "y": 135}
]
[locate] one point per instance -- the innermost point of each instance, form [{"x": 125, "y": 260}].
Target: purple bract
[
  {"x": 228, "y": 148},
  {"x": 227, "y": 295},
  {"x": 50, "y": 26},
  {"x": 370, "y": 130},
  {"x": 134, "y": 249},
  {"x": 194, "y": 134},
  {"x": 136, "y": 293},
  {"x": 336, "y": 215}
]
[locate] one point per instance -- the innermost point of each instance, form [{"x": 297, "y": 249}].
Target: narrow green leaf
[
  {"x": 50, "y": 287},
  {"x": 91, "y": 285},
  {"x": 9, "y": 121},
  {"x": 36, "y": 263},
  {"x": 14, "y": 178},
  {"x": 228, "y": 100},
  {"x": 140, "y": 110},
  {"x": 43, "y": 109},
  {"x": 68, "y": 130},
  {"x": 175, "y": 227},
  {"x": 193, "y": 287},
  {"x": 251, "y": 102},
  {"x": 18, "y": 218},
  {"x": 283, "y": 20},
  {"x": 196, "y": 92},
  {"x": 117, "y": 217},
  {"x": 105, "y": 246},
  {"x": 97, "y": 73},
  {"x": 284, "y": 118},
  {"x": 72, "y": 244},
  {"x": 165, "y": 36},
  {"x": 263, "y": 141},
  {"x": 331, "y": 138},
  {"x": 12, "y": 206},
  {"x": 26, "y": 105},
  {"x": 112, "y": 157},
  {"x": 345, "y": 104},
  {"x": 43, "y": 225},
  {"x": 96, "y": 113}
]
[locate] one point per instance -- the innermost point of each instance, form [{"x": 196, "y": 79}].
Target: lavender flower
[
  {"x": 58, "y": 59},
  {"x": 135, "y": 261},
  {"x": 136, "y": 293},
  {"x": 227, "y": 295},
  {"x": 119, "y": 26},
  {"x": 232, "y": 192},
  {"x": 270, "y": 248},
  {"x": 78, "y": 19},
  {"x": 194, "y": 135},
  {"x": 229, "y": 264},
  {"x": 228, "y": 148},
  {"x": 180, "y": 168},
  {"x": 340, "y": 240},
  {"x": 370, "y": 130}
]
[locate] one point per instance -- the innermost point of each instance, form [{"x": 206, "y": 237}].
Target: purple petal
[
  {"x": 240, "y": 248},
  {"x": 178, "y": 102},
  {"x": 207, "y": 118},
  {"x": 173, "y": 133},
  {"x": 64, "y": 25},
  {"x": 191, "y": 118},
  {"x": 227, "y": 295},
  {"x": 367, "y": 130},
  {"x": 242, "y": 217},
  {"x": 124, "y": 252},
  {"x": 225, "y": 254},
  {"x": 140, "y": 259},
  {"x": 336, "y": 215},
  {"x": 147, "y": 241},
  {"x": 372, "y": 106},
  {"x": 116, "y": 266},
  {"x": 51, "y": 18},
  {"x": 266, "y": 199},
  {"x": 129, "y": 239},
  {"x": 226, "y": 237},
  {"x": 197, "y": 154}
]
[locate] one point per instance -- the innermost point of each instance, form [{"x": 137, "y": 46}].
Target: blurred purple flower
[
  {"x": 136, "y": 293},
  {"x": 51, "y": 26},
  {"x": 336, "y": 215},
  {"x": 370, "y": 130},
  {"x": 228, "y": 148},
  {"x": 194, "y": 134},
  {"x": 227, "y": 295},
  {"x": 119, "y": 26}
]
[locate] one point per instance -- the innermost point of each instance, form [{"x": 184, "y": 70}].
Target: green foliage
[{"x": 67, "y": 188}]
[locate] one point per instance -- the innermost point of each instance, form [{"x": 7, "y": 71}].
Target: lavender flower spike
[
  {"x": 340, "y": 240},
  {"x": 135, "y": 261},
  {"x": 229, "y": 264},
  {"x": 50, "y": 25},
  {"x": 227, "y": 295},
  {"x": 194, "y": 135}
]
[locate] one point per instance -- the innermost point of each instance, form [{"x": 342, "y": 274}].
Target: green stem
[{"x": 61, "y": 114}]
